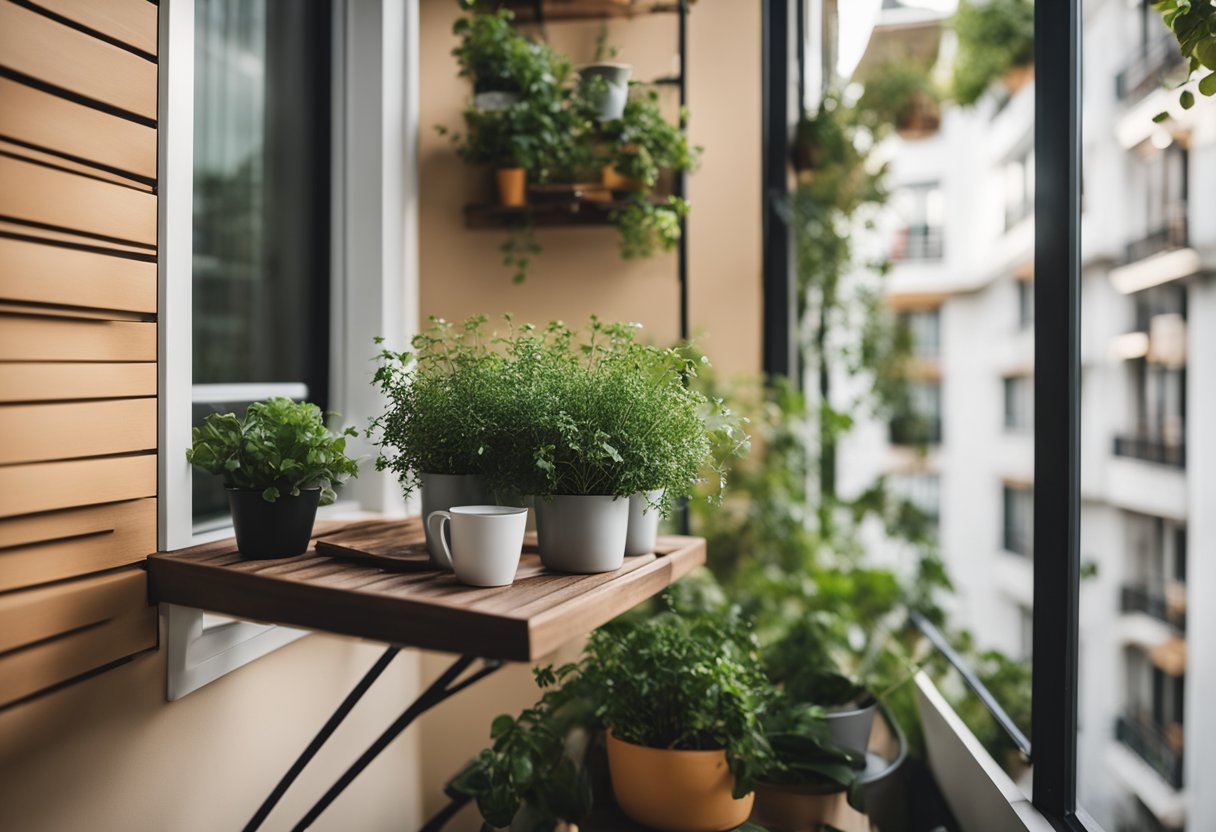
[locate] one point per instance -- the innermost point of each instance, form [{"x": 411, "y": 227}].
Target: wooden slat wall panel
[
  {"x": 78, "y": 349},
  {"x": 52, "y": 53},
  {"x": 61, "y": 126},
  {"x": 29, "y": 338},
  {"x": 49, "y": 382},
  {"x": 40, "y": 548},
  {"x": 34, "y": 193},
  {"x": 37, "y": 273},
  {"x": 132, "y": 22},
  {"x": 28, "y": 671},
  {"x": 46, "y": 486},
  {"x": 76, "y": 429}
]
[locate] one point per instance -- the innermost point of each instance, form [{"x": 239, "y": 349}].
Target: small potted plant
[
  {"x": 278, "y": 464},
  {"x": 681, "y": 700},
  {"x": 641, "y": 144},
  {"x": 492, "y": 138},
  {"x": 901, "y": 94},
  {"x": 603, "y": 83},
  {"x": 503, "y": 65},
  {"x": 995, "y": 43}
]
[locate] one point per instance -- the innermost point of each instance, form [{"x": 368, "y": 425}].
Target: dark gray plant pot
[
  {"x": 609, "y": 99},
  {"x": 884, "y": 789},
  {"x": 643, "y": 524},
  {"x": 582, "y": 534},
  {"x": 442, "y": 491},
  {"x": 850, "y": 726},
  {"x": 281, "y": 529}
]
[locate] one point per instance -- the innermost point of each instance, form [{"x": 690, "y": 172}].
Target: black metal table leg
[
  {"x": 320, "y": 739},
  {"x": 441, "y": 689}
]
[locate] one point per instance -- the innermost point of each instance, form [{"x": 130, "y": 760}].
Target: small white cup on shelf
[{"x": 486, "y": 542}]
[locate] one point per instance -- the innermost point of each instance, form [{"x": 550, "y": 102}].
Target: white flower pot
[
  {"x": 583, "y": 534},
  {"x": 609, "y": 100},
  {"x": 643, "y": 524}
]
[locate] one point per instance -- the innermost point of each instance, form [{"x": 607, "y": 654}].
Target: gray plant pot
[
  {"x": 643, "y": 524},
  {"x": 582, "y": 534},
  {"x": 442, "y": 491},
  {"x": 850, "y": 726},
  {"x": 495, "y": 101},
  {"x": 608, "y": 99}
]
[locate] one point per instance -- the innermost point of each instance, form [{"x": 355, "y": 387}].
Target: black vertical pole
[
  {"x": 779, "y": 301},
  {"x": 1057, "y": 506},
  {"x": 681, "y": 180}
]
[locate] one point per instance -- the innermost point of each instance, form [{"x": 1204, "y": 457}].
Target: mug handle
[{"x": 437, "y": 534}]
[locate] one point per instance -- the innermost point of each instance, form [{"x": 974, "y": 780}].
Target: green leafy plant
[
  {"x": 900, "y": 94},
  {"x": 1193, "y": 23},
  {"x": 496, "y": 57},
  {"x": 280, "y": 447},
  {"x": 802, "y": 746},
  {"x": 642, "y": 143},
  {"x": 993, "y": 38},
  {"x": 646, "y": 226},
  {"x": 683, "y": 683},
  {"x": 445, "y": 403}
]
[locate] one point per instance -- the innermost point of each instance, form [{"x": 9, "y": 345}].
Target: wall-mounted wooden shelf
[
  {"x": 429, "y": 609},
  {"x": 546, "y": 213},
  {"x": 560, "y": 10}
]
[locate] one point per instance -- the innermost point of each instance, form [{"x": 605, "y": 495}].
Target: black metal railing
[
  {"x": 1148, "y": 70},
  {"x": 1135, "y": 598},
  {"x": 1151, "y": 449},
  {"x": 1169, "y": 236},
  {"x": 1150, "y": 743},
  {"x": 915, "y": 429},
  {"x": 919, "y": 242}
]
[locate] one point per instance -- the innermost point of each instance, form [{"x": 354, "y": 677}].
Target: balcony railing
[
  {"x": 1150, "y": 743},
  {"x": 915, "y": 429},
  {"x": 1135, "y": 598},
  {"x": 1151, "y": 449},
  {"x": 918, "y": 243},
  {"x": 1148, "y": 70},
  {"x": 1169, "y": 236}
]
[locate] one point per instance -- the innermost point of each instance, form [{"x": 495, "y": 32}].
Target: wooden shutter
[{"x": 78, "y": 411}]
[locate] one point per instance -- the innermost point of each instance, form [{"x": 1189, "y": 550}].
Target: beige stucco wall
[
  {"x": 579, "y": 271},
  {"x": 110, "y": 754}
]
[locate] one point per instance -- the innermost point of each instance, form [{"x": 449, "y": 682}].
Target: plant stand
[{"x": 397, "y": 601}]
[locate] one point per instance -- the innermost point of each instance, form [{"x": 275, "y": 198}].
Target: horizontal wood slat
[
  {"x": 132, "y": 22},
  {"x": 37, "y": 273},
  {"x": 43, "y": 157},
  {"x": 26, "y": 672},
  {"x": 42, "y": 613},
  {"x": 61, "y": 126},
  {"x": 53, "y": 53},
  {"x": 34, "y": 193},
  {"x": 43, "y": 432},
  {"x": 49, "y": 382},
  {"x": 40, "y": 548},
  {"x": 27, "y": 338},
  {"x": 76, "y": 242},
  {"x": 46, "y": 486}
]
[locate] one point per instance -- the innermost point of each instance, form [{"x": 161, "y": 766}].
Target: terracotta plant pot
[
  {"x": 804, "y": 808},
  {"x": 615, "y": 181},
  {"x": 675, "y": 791},
  {"x": 512, "y": 186}
]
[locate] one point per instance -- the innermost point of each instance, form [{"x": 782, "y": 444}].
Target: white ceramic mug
[{"x": 486, "y": 542}]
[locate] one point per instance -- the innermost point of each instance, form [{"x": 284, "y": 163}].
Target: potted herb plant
[
  {"x": 492, "y": 138},
  {"x": 278, "y": 464},
  {"x": 901, "y": 94},
  {"x": 995, "y": 42},
  {"x": 503, "y": 65},
  {"x": 681, "y": 700},
  {"x": 642, "y": 143},
  {"x": 444, "y": 407}
]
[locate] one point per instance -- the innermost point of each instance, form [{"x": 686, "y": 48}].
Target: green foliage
[
  {"x": 280, "y": 447},
  {"x": 446, "y": 403},
  {"x": 642, "y": 143},
  {"x": 802, "y": 747},
  {"x": 518, "y": 250},
  {"x": 683, "y": 682},
  {"x": 646, "y": 226},
  {"x": 993, "y": 38},
  {"x": 495, "y": 57},
  {"x": 1193, "y": 23},
  {"x": 898, "y": 94}
]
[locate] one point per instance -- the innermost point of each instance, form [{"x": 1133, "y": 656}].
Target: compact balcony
[
  {"x": 1152, "y": 745},
  {"x": 1136, "y": 598},
  {"x": 1151, "y": 449},
  {"x": 1172, "y": 235},
  {"x": 917, "y": 244}
]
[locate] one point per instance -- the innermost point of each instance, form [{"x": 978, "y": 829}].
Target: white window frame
[{"x": 375, "y": 286}]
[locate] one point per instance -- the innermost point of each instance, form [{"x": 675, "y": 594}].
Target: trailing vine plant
[{"x": 1193, "y": 23}]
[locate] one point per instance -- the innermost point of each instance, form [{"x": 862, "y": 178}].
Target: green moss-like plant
[{"x": 993, "y": 38}]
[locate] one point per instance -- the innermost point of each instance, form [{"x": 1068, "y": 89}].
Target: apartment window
[
  {"x": 1019, "y": 403},
  {"x": 1165, "y": 204},
  {"x": 923, "y": 490},
  {"x": 1152, "y": 723},
  {"x": 920, "y": 421},
  {"x": 1019, "y": 188},
  {"x": 1155, "y": 569},
  {"x": 261, "y": 263},
  {"x": 1017, "y": 528},
  {"x": 922, "y": 211},
  {"x": 925, "y": 332},
  {"x": 1025, "y": 289}
]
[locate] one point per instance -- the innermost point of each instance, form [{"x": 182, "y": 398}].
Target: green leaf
[
  {"x": 1160, "y": 117},
  {"x": 270, "y": 494},
  {"x": 1207, "y": 84},
  {"x": 1187, "y": 99},
  {"x": 501, "y": 725}
]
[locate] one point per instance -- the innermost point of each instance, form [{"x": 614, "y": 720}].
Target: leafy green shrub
[
  {"x": 646, "y": 226},
  {"x": 1193, "y": 23},
  {"x": 900, "y": 94},
  {"x": 993, "y": 38},
  {"x": 642, "y": 143},
  {"x": 496, "y": 57},
  {"x": 280, "y": 446},
  {"x": 445, "y": 403}
]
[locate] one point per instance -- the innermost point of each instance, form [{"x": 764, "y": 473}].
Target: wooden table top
[{"x": 429, "y": 609}]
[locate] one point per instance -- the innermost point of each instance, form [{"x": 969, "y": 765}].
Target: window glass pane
[
  {"x": 1146, "y": 485},
  {"x": 261, "y": 209}
]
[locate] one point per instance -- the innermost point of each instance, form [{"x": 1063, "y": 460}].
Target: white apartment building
[{"x": 963, "y": 239}]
